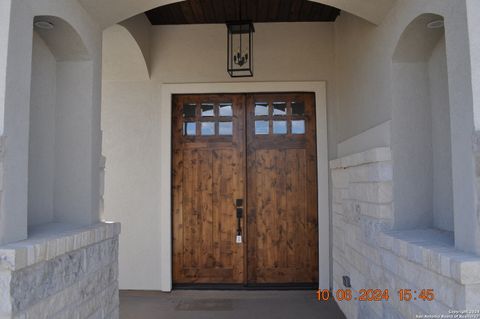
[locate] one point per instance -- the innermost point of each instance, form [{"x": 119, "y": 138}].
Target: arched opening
[
  {"x": 58, "y": 132},
  {"x": 123, "y": 59},
  {"x": 421, "y": 137},
  {"x": 370, "y": 10}
]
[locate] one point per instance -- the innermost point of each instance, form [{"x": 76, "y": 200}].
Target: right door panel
[{"x": 281, "y": 189}]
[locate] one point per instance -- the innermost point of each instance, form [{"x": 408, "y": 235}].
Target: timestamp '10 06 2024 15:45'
[{"x": 375, "y": 295}]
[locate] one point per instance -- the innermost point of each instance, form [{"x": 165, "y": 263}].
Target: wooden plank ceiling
[{"x": 221, "y": 11}]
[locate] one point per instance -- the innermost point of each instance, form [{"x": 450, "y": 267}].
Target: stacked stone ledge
[
  {"x": 70, "y": 275},
  {"x": 375, "y": 257}
]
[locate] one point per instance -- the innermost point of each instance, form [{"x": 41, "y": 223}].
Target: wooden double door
[{"x": 244, "y": 185}]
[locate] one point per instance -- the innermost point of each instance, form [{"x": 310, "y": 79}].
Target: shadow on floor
[{"x": 182, "y": 304}]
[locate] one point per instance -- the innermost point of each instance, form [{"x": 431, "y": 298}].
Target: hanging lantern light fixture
[{"x": 240, "y": 47}]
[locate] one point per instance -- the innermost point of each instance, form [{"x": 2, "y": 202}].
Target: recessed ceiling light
[
  {"x": 435, "y": 24},
  {"x": 44, "y": 25}
]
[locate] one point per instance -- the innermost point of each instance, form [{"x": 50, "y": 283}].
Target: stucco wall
[
  {"x": 473, "y": 10},
  {"x": 42, "y": 134},
  {"x": 362, "y": 76},
  {"x": 412, "y": 145},
  {"x": 282, "y": 52},
  {"x": 132, "y": 179},
  {"x": 4, "y": 30},
  {"x": 441, "y": 145}
]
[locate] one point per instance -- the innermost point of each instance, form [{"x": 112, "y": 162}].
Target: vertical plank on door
[
  {"x": 282, "y": 193},
  {"x": 208, "y": 174}
]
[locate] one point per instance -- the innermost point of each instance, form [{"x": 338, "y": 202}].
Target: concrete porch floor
[{"x": 182, "y": 304}]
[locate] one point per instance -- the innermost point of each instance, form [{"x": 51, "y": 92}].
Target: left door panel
[{"x": 208, "y": 176}]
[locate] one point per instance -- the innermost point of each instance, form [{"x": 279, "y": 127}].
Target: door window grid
[
  {"x": 207, "y": 119},
  {"x": 280, "y": 118}
]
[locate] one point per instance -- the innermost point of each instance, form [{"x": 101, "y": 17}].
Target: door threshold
[{"x": 286, "y": 286}]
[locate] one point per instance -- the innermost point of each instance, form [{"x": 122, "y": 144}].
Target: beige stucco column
[
  {"x": 4, "y": 29},
  {"x": 463, "y": 51},
  {"x": 473, "y": 14},
  {"x": 16, "y": 42}
]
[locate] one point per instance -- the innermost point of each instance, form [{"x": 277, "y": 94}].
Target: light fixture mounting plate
[{"x": 44, "y": 25}]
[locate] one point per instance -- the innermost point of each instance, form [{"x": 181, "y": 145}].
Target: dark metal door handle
[
  {"x": 239, "y": 204},
  {"x": 239, "y": 212}
]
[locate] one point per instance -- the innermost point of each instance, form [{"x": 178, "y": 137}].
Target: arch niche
[
  {"x": 421, "y": 134},
  {"x": 59, "y": 187}
]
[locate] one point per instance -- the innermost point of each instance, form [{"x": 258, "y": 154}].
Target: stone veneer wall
[
  {"x": 375, "y": 257},
  {"x": 71, "y": 274}
]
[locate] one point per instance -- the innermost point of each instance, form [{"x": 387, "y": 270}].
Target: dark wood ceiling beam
[
  {"x": 221, "y": 4},
  {"x": 325, "y": 13},
  {"x": 273, "y": 11},
  {"x": 307, "y": 11},
  {"x": 262, "y": 14},
  {"x": 217, "y": 10},
  {"x": 230, "y": 11},
  {"x": 197, "y": 10},
  {"x": 178, "y": 15},
  {"x": 221, "y": 11},
  {"x": 319, "y": 14},
  {"x": 255, "y": 5},
  {"x": 166, "y": 16},
  {"x": 242, "y": 7},
  {"x": 284, "y": 10},
  {"x": 208, "y": 12},
  {"x": 295, "y": 10},
  {"x": 188, "y": 12},
  {"x": 334, "y": 13}
]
